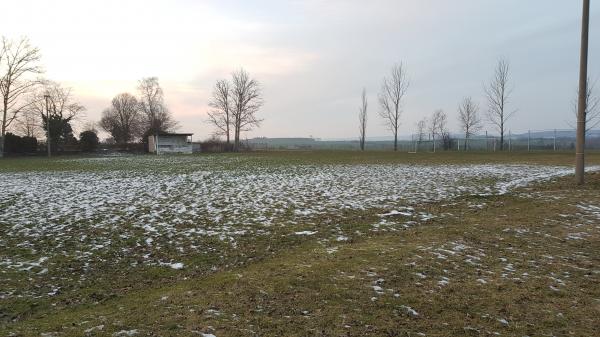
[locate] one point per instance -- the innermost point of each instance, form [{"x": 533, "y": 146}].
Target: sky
[{"x": 314, "y": 57}]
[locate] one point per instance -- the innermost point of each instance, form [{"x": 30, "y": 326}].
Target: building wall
[
  {"x": 151, "y": 144},
  {"x": 174, "y": 144}
]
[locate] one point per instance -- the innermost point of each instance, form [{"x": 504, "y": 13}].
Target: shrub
[
  {"x": 89, "y": 141},
  {"x": 14, "y": 144}
]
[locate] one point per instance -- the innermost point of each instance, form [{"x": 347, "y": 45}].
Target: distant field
[{"x": 299, "y": 243}]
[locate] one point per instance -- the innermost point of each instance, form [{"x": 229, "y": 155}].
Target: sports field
[{"x": 300, "y": 243}]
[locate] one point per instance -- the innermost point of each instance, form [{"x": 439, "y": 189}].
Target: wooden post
[
  {"x": 528, "y": 140},
  {"x": 581, "y": 105}
]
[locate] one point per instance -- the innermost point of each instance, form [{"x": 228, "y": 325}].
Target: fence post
[
  {"x": 528, "y": 140},
  {"x": 554, "y": 139}
]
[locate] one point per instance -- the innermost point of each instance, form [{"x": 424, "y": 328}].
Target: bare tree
[
  {"x": 498, "y": 93},
  {"x": 18, "y": 61},
  {"x": 468, "y": 116},
  {"x": 60, "y": 101},
  {"x": 29, "y": 124},
  {"x": 362, "y": 119},
  {"x": 123, "y": 119},
  {"x": 437, "y": 125},
  {"x": 63, "y": 110},
  {"x": 221, "y": 103},
  {"x": 592, "y": 111},
  {"x": 52, "y": 103},
  {"x": 247, "y": 101},
  {"x": 393, "y": 90},
  {"x": 421, "y": 129},
  {"x": 155, "y": 116}
]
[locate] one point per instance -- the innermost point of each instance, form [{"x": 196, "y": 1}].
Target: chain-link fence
[{"x": 534, "y": 140}]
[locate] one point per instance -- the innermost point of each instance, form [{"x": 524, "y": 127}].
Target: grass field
[{"x": 301, "y": 244}]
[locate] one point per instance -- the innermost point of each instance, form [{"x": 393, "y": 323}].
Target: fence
[{"x": 534, "y": 140}]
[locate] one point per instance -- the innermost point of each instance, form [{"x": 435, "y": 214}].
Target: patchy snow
[
  {"x": 127, "y": 333},
  {"x": 307, "y": 233},
  {"x": 410, "y": 310},
  {"x": 134, "y": 208},
  {"x": 173, "y": 265},
  {"x": 90, "y": 330}
]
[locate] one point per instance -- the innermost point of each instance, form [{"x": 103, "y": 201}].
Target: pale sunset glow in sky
[{"x": 314, "y": 57}]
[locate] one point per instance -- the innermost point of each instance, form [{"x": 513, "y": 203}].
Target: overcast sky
[{"x": 314, "y": 57}]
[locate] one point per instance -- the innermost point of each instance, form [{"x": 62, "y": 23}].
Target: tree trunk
[
  {"x": 236, "y": 142},
  {"x": 396, "y": 140},
  {"x": 2, "y": 136}
]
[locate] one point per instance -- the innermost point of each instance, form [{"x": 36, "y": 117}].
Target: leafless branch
[{"x": 592, "y": 111}]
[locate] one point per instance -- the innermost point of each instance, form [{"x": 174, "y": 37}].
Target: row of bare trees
[
  {"x": 395, "y": 86},
  {"x": 130, "y": 118},
  {"x": 31, "y": 103},
  {"x": 497, "y": 92},
  {"x": 234, "y": 106}
]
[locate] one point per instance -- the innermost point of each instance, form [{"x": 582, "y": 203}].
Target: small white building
[{"x": 170, "y": 143}]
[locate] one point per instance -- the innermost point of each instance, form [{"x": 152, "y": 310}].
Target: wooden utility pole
[{"x": 581, "y": 105}]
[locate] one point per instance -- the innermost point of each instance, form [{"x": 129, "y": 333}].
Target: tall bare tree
[
  {"x": 123, "y": 119},
  {"x": 155, "y": 116},
  {"x": 247, "y": 101},
  {"x": 393, "y": 90},
  {"x": 221, "y": 104},
  {"x": 468, "y": 116},
  {"x": 498, "y": 92},
  {"x": 438, "y": 125},
  {"x": 18, "y": 62},
  {"x": 62, "y": 108},
  {"x": 592, "y": 107},
  {"x": 362, "y": 119}
]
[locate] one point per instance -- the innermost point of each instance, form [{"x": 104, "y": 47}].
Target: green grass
[
  {"x": 271, "y": 158},
  {"x": 297, "y": 286}
]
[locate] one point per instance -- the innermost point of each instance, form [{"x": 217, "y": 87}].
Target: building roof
[{"x": 174, "y": 134}]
